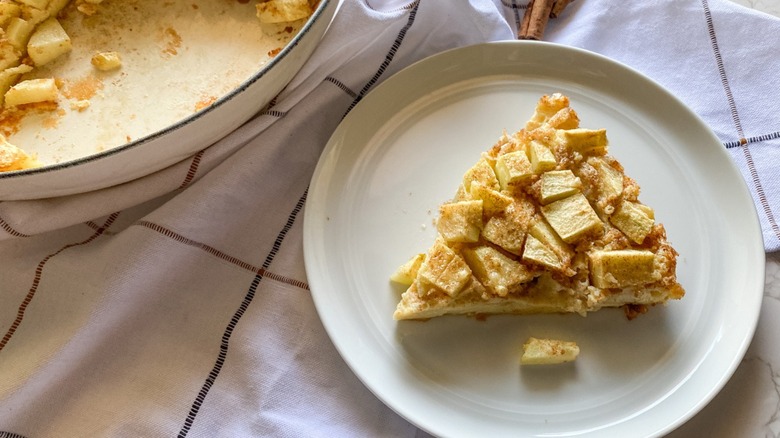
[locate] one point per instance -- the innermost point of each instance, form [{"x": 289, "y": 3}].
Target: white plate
[{"x": 403, "y": 150}]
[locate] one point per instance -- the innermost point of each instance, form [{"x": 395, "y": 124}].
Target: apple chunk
[
  {"x": 584, "y": 140},
  {"x": 548, "y": 351},
  {"x": 496, "y": 271},
  {"x": 460, "y": 221},
  {"x": 406, "y": 273},
  {"x": 18, "y": 31},
  {"x": 8, "y": 11},
  {"x": 443, "y": 269},
  {"x": 542, "y": 158},
  {"x": 622, "y": 268},
  {"x": 513, "y": 168},
  {"x": 48, "y": 42},
  {"x": 633, "y": 220},
  {"x": 558, "y": 184},
  {"x": 572, "y": 217},
  {"x": 32, "y": 91}
]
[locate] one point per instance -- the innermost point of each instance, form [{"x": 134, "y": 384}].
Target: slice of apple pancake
[{"x": 545, "y": 222}]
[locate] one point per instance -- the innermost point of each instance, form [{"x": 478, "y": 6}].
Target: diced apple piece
[
  {"x": 444, "y": 270},
  {"x": 542, "y": 231},
  {"x": 14, "y": 72},
  {"x": 32, "y": 91},
  {"x": 18, "y": 33},
  {"x": 9, "y": 56},
  {"x": 622, "y": 268},
  {"x": 9, "y": 76},
  {"x": 496, "y": 271},
  {"x": 406, "y": 273},
  {"x": 610, "y": 181},
  {"x": 460, "y": 221},
  {"x": 647, "y": 210},
  {"x": 558, "y": 184},
  {"x": 633, "y": 221},
  {"x": 106, "y": 61},
  {"x": 548, "y": 351},
  {"x": 491, "y": 160},
  {"x": 8, "y": 11},
  {"x": 37, "y": 4},
  {"x": 507, "y": 230},
  {"x": 279, "y": 11},
  {"x": 583, "y": 140},
  {"x": 537, "y": 252},
  {"x": 513, "y": 168},
  {"x": 482, "y": 172},
  {"x": 542, "y": 158},
  {"x": 500, "y": 231},
  {"x": 34, "y": 15},
  {"x": 48, "y": 42},
  {"x": 493, "y": 202},
  {"x": 572, "y": 217}
]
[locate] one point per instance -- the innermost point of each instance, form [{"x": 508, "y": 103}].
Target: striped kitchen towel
[{"x": 178, "y": 305}]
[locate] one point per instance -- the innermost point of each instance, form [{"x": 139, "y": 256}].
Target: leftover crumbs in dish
[{"x": 31, "y": 36}]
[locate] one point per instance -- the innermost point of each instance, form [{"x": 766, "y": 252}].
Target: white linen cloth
[{"x": 177, "y": 304}]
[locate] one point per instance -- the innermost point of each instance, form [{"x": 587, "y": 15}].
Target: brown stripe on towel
[
  {"x": 242, "y": 308},
  {"x": 341, "y": 85},
  {"x": 221, "y": 255},
  {"x": 39, "y": 274},
  {"x": 389, "y": 56},
  {"x": 10, "y": 230},
  {"x": 193, "y": 170}
]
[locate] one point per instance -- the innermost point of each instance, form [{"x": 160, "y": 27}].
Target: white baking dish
[{"x": 192, "y": 72}]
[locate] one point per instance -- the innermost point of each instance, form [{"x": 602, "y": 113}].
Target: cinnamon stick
[
  {"x": 523, "y": 31},
  {"x": 558, "y": 7},
  {"x": 536, "y": 15},
  {"x": 535, "y": 19}
]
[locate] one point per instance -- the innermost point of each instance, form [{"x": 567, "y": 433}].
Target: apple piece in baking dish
[{"x": 48, "y": 42}]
